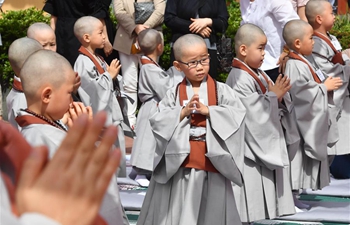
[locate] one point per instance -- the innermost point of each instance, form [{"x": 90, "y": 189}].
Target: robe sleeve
[
  {"x": 311, "y": 108},
  {"x": 263, "y": 126}
]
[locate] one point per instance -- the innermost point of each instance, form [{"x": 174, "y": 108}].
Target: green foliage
[
  {"x": 13, "y": 25},
  {"x": 341, "y": 30}
]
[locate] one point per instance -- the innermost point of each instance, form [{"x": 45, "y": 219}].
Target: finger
[
  {"x": 72, "y": 113},
  {"x": 33, "y": 166},
  {"x": 87, "y": 145},
  {"x": 101, "y": 154},
  {"x": 70, "y": 143},
  {"x": 89, "y": 112}
]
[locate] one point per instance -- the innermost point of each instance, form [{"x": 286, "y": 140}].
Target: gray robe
[
  {"x": 185, "y": 196},
  {"x": 15, "y": 101},
  {"x": 102, "y": 95},
  {"x": 44, "y": 134},
  {"x": 321, "y": 58},
  {"x": 154, "y": 82},
  {"x": 315, "y": 120},
  {"x": 266, "y": 192}
]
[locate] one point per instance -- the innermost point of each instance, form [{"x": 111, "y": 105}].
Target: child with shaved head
[
  {"x": 328, "y": 57},
  {"x": 97, "y": 77},
  {"x": 199, "y": 131},
  {"x": 266, "y": 191},
  {"x": 312, "y": 94},
  {"x": 154, "y": 82},
  {"x": 48, "y": 94},
  {"x": 18, "y": 53},
  {"x": 44, "y": 34}
]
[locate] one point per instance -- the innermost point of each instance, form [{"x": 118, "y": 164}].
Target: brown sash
[
  {"x": 99, "y": 68},
  {"x": 197, "y": 159},
  {"x": 239, "y": 65},
  {"x": 147, "y": 61},
  {"x": 337, "y": 58},
  {"x": 293, "y": 55},
  {"x": 17, "y": 85}
]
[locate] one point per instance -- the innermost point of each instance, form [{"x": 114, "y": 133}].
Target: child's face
[
  {"x": 307, "y": 43},
  {"x": 328, "y": 17},
  {"x": 61, "y": 97},
  {"x": 194, "y": 63},
  {"x": 47, "y": 39},
  {"x": 97, "y": 37},
  {"x": 255, "y": 52}
]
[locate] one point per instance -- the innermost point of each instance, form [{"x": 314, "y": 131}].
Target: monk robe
[
  {"x": 98, "y": 84},
  {"x": 266, "y": 192},
  {"x": 196, "y": 161},
  {"x": 324, "y": 56},
  {"x": 315, "y": 118}
]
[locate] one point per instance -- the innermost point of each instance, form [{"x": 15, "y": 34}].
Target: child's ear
[
  {"x": 243, "y": 50},
  {"x": 160, "y": 47},
  {"x": 297, "y": 43},
  {"x": 86, "y": 38},
  {"x": 176, "y": 64},
  {"x": 46, "y": 95},
  {"x": 318, "y": 19}
]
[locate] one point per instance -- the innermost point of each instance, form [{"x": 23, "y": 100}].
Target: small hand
[
  {"x": 281, "y": 86},
  {"x": 77, "y": 83},
  {"x": 77, "y": 109},
  {"x": 333, "y": 83},
  {"x": 114, "y": 68}
]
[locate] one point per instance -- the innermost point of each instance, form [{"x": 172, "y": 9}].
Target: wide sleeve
[
  {"x": 311, "y": 109},
  {"x": 225, "y": 134},
  {"x": 157, "y": 17},
  {"x": 263, "y": 126},
  {"x": 173, "y": 21},
  {"x": 124, "y": 19},
  {"x": 172, "y": 138}
]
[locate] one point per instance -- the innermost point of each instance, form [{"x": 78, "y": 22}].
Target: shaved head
[
  {"x": 314, "y": 8},
  {"x": 185, "y": 42},
  {"x": 148, "y": 40},
  {"x": 247, "y": 34},
  {"x": 85, "y": 25},
  {"x": 294, "y": 29},
  {"x": 20, "y": 50},
  {"x": 36, "y": 28},
  {"x": 44, "y": 67}
]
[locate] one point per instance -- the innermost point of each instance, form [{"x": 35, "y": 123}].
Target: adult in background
[
  {"x": 127, "y": 31},
  {"x": 64, "y": 13},
  {"x": 203, "y": 17},
  {"x": 299, "y": 7},
  {"x": 270, "y": 16}
]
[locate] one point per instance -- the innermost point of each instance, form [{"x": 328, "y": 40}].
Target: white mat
[
  {"x": 323, "y": 211},
  {"x": 336, "y": 188}
]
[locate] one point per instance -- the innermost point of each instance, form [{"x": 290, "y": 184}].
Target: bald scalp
[
  {"x": 85, "y": 25},
  {"x": 293, "y": 30},
  {"x": 185, "y": 42},
  {"x": 148, "y": 40},
  {"x": 246, "y": 35},
  {"x": 36, "y": 28},
  {"x": 20, "y": 50},
  {"x": 44, "y": 68},
  {"x": 314, "y": 8}
]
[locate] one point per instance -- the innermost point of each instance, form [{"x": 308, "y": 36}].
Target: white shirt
[{"x": 270, "y": 16}]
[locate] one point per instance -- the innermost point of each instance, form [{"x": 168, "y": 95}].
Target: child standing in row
[
  {"x": 154, "y": 82},
  {"x": 97, "y": 77},
  {"x": 44, "y": 34},
  {"x": 327, "y": 56},
  {"x": 266, "y": 192},
  {"x": 312, "y": 94},
  {"x": 199, "y": 131},
  {"x": 19, "y": 51}
]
